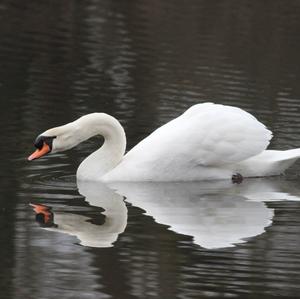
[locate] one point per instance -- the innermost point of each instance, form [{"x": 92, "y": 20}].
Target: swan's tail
[{"x": 269, "y": 162}]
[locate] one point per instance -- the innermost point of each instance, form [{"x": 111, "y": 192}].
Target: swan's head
[
  {"x": 44, "y": 145},
  {"x": 68, "y": 136},
  {"x": 55, "y": 140}
]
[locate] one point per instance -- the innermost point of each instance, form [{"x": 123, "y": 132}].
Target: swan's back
[{"x": 208, "y": 135}]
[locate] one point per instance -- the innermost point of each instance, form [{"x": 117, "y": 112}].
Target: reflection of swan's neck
[
  {"x": 111, "y": 152},
  {"x": 115, "y": 211}
]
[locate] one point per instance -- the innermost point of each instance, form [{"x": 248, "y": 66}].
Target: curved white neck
[{"x": 110, "y": 154}]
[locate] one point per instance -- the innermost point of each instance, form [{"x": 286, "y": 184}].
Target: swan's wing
[{"x": 206, "y": 134}]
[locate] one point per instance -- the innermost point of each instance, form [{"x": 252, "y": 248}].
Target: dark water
[{"x": 145, "y": 62}]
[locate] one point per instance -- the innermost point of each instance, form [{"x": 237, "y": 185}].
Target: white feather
[{"x": 205, "y": 136}]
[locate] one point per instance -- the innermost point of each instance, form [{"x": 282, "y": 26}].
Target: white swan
[{"x": 208, "y": 141}]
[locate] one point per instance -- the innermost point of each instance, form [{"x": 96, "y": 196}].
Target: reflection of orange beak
[
  {"x": 39, "y": 208},
  {"x": 43, "y": 210},
  {"x": 40, "y": 152}
]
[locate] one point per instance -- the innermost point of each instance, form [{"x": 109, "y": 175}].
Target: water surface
[{"x": 145, "y": 63}]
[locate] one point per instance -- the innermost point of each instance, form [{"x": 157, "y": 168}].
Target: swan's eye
[{"x": 39, "y": 142}]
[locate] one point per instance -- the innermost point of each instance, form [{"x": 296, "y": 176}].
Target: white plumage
[
  {"x": 205, "y": 136},
  {"x": 208, "y": 141}
]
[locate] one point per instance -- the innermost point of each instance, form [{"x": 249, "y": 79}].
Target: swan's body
[{"x": 208, "y": 141}]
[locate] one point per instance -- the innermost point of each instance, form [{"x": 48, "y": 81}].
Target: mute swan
[{"x": 208, "y": 141}]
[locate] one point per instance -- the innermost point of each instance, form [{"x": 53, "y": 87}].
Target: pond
[{"x": 145, "y": 62}]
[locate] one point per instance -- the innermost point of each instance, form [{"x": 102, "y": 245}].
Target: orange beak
[{"x": 40, "y": 152}]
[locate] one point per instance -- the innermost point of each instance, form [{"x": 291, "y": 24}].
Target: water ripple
[{"x": 144, "y": 63}]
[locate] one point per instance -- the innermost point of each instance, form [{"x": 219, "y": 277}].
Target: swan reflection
[
  {"x": 216, "y": 214},
  {"x": 89, "y": 232}
]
